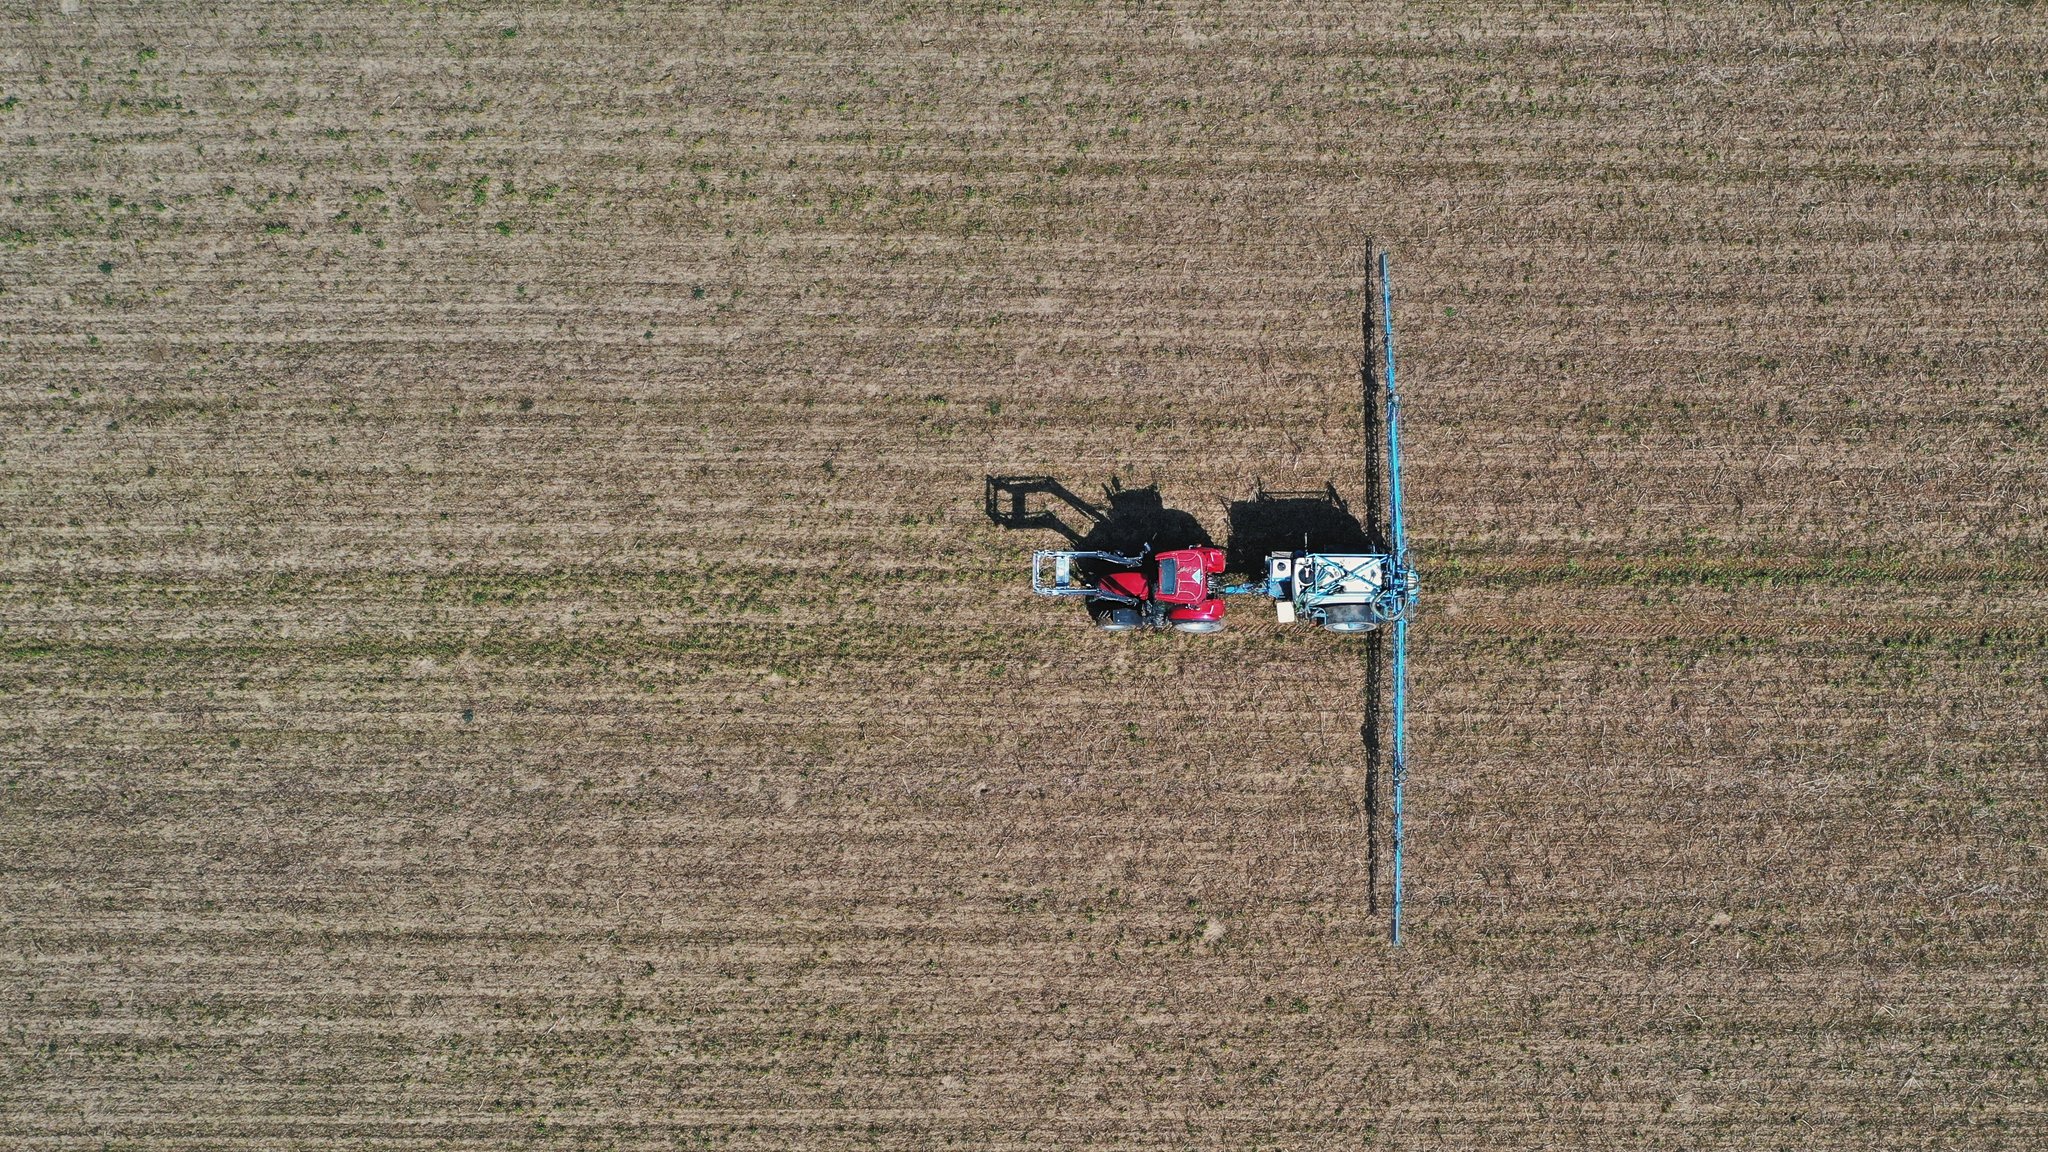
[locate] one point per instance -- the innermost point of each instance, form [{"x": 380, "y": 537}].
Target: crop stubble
[{"x": 502, "y": 644}]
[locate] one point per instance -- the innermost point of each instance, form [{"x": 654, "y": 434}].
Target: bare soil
[{"x": 500, "y": 642}]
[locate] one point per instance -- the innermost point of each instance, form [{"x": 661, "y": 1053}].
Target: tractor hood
[{"x": 1183, "y": 575}]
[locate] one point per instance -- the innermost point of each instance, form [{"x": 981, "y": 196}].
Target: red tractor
[{"x": 1179, "y": 589}]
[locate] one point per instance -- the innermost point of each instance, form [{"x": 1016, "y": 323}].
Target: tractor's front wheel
[
  {"x": 1199, "y": 627},
  {"x": 1113, "y": 617}
]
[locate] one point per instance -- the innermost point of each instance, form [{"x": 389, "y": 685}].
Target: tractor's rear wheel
[
  {"x": 1350, "y": 618},
  {"x": 1113, "y": 617},
  {"x": 1199, "y": 627}
]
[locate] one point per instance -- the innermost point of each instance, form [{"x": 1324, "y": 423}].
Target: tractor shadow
[{"x": 1126, "y": 519}]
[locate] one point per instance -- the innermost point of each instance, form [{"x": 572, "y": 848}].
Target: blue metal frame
[{"x": 1402, "y": 579}]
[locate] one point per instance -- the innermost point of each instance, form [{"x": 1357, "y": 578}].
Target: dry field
[{"x": 500, "y": 643}]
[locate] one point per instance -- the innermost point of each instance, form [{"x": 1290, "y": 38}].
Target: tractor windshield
[{"x": 1169, "y": 576}]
